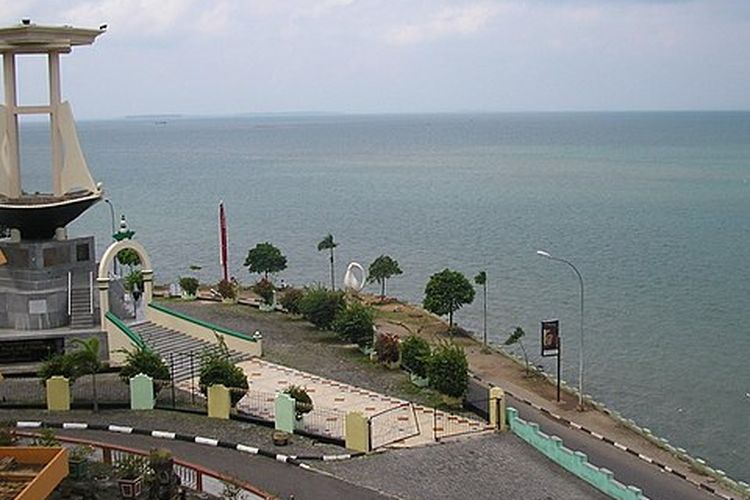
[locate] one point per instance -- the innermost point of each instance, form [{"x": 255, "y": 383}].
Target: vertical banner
[
  {"x": 223, "y": 260},
  {"x": 550, "y": 337}
]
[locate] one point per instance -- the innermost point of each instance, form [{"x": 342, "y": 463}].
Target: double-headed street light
[{"x": 542, "y": 253}]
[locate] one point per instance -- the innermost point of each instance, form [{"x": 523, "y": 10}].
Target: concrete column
[
  {"x": 141, "y": 392},
  {"x": 497, "y": 409},
  {"x": 357, "y": 432},
  {"x": 148, "y": 285},
  {"x": 284, "y": 413},
  {"x": 103, "y": 285},
  {"x": 53, "y": 62},
  {"x": 218, "y": 402},
  {"x": 58, "y": 393},
  {"x": 11, "y": 101}
]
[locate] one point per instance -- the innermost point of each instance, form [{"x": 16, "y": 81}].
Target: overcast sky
[{"x": 384, "y": 56}]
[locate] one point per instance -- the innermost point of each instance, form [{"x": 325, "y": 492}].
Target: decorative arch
[{"x": 102, "y": 279}]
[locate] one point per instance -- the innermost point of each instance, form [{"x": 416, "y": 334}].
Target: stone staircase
[
  {"x": 81, "y": 315},
  {"x": 180, "y": 349}
]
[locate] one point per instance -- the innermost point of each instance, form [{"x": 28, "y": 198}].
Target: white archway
[{"x": 102, "y": 279}]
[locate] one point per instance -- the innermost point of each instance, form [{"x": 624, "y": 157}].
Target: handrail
[
  {"x": 70, "y": 292},
  {"x": 205, "y": 324},
  {"x": 199, "y": 470},
  {"x": 133, "y": 336},
  {"x": 91, "y": 292}
]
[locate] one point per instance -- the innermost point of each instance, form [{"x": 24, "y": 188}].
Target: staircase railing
[
  {"x": 70, "y": 293},
  {"x": 134, "y": 337}
]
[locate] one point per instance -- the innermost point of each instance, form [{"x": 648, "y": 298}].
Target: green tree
[
  {"x": 381, "y": 270},
  {"x": 446, "y": 292},
  {"x": 264, "y": 259},
  {"x": 354, "y": 324},
  {"x": 327, "y": 243},
  {"x": 448, "y": 370},
  {"x": 515, "y": 338},
  {"x": 415, "y": 355},
  {"x": 481, "y": 279},
  {"x": 320, "y": 306},
  {"x": 128, "y": 257},
  {"x": 86, "y": 360}
]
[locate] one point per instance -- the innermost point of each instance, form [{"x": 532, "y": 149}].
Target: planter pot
[
  {"x": 419, "y": 381},
  {"x": 265, "y": 307},
  {"x": 366, "y": 350},
  {"x": 77, "y": 468},
  {"x": 130, "y": 488},
  {"x": 393, "y": 365},
  {"x": 187, "y": 296},
  {"x": 280, "y": 438}
]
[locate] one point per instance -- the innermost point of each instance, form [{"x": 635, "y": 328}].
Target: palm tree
[
  {"x": 87, "y": 361},
  {"x": 327, "y": 243},
  {"x": 481, "y": 279}
]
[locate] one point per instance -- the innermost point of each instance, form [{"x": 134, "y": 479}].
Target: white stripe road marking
[
  {"x": 162, "y": 434},
  {"x": 644, "y": 457},
  {"x": 305, "y": 466},
  {"x": 668, "y": 468},
  {"x": 331, "y": 458},
  {"x": 247, "y": 449},
  {"x": 75, "y": 425},
  {"x": 597, "y": 436},
  {"x": 621, "y": 446},
  {"x": 28, "y": 425},
  {"x": 208, "y": 441},
  {"x": 575, "y": 425},
  {"x": 281, "y": 458},
  {"x": 120, "y": 428}
]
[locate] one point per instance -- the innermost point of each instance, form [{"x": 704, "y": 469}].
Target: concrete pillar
[
  {"x": 141, "y": 392},
  {"x": 357, "y": 432},
  {"x": 148, "y": 285},
  {"x": 103, "y": 285},
  {"x": 497, "y": 409},
  {"x": 61, "y": 234},
  {"x": 58, "y": 393},
  {"x": 218, "y": 402},
  {"x": 285, "y": 413}
]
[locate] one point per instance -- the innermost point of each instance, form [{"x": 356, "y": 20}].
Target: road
[
  {"x": 282, "y": 480},
  {"x": 628, "y": 469}
]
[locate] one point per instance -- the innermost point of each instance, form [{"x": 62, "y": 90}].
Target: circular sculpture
[{"x": 351, "y": 281}]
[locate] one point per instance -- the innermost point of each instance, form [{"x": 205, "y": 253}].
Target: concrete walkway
[{"x": 394, "y": 422}]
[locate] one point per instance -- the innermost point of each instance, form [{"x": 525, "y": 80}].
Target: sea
[{"x": 652, "y": 208}]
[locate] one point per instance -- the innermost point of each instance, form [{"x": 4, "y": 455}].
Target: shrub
[
  {"x": 354, "y": 324},
  {"x": 134, "y": 280},
  {"x": 59, "y": 364},
  {"x": 189, "y": 285},
  {"x": 415, "y": 355},
  {"x": 8, "y": 435},
  {"x": 320, "y": 306},
  {"x": 290, "y": 300},
  {"x": 448, "y": 370},
  {"x": 387, "y": 346},
  {"x": 303, "y": 401},
  {"x": 218, "y": 368},
  {"x": 226, "y": 289},
  {"x": 142, "y": 360},
  {"x": 264, "y": 288}
]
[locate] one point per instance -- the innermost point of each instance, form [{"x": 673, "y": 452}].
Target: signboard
[{"x": 550, "y": 337}]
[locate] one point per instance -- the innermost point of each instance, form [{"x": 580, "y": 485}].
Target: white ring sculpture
[{"x": 351, "y": 281}]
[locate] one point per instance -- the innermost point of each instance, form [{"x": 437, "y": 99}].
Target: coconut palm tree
[
  {"x": 481, "y": 279},
  {"x": 87, "y": 361},
  {"x": 327, "y": 243}
]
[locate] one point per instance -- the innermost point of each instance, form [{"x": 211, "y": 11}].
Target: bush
[
  {"x": 134, "y": 280},
  {"x": 448, "y": 370},
  {"x": 59, "y": 364},
  {"x": 320, "y": 306},
  {"x": 218, "y": 368},
  {"x": 8, "y": 435},
  {"x": 387, "y": 346},
  {"x": 354, "y": 324},
  {"x": 303, "y": 401},
  {"x": 415, "y": 355},
  {"x": 226, "y": 289},
  {"x": 142, "y": 360},
  {"x": 290, "y": 300},
  {"x": 189, "y": 285},
  {"x": 264, "y": 288}
]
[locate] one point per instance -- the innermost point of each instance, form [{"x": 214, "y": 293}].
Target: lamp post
[
  {"x": 111, "y": 213},
  {"x": 547, "y": 255}
]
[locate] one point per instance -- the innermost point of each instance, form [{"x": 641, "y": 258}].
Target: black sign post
[{"x": 551, "y": 345}]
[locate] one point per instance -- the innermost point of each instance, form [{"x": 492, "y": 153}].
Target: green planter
[
  {"x": 77, "y": 468},
  {"x": 419, "y": 381}
]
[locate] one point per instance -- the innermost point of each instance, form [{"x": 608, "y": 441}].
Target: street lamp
[
  {"x": 547, "y": 255},
  {"x": 111, "y": 213}
]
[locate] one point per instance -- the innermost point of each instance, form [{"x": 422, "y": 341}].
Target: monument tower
[{"x": 47, "y": 280}]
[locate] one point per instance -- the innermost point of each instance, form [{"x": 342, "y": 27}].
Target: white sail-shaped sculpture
[
  {"x": 74, "y": 174},
  {"x": 351, "y": 281}
]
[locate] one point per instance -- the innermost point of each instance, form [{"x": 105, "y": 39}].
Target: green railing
[
  {"x": 133, "y": 336},
  {"x": 205, "y": 324}
]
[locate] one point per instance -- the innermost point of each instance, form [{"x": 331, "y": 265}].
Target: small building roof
[{"x": 30, "y": 38}]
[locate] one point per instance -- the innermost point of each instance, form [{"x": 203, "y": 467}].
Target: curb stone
[
  {"x": 622, "y": 447},
  {"x": 205, "y": 441}
]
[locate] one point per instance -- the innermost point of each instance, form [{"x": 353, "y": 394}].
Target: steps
[
  {"x": 81, "y": 315},
  {"x": 178, "y": 350}
]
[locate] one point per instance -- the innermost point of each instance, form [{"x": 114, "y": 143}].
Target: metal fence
[
  {"x": 30, "y": 392},
  {"x": 326, "y": 422},
  {"x": 393, "y": 425}
]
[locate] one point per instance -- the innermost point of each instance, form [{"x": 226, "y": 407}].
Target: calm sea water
[{"x": 653, "y": 208}]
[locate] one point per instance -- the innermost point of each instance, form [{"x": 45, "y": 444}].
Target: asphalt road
[
  {"x": 655, "y": 483},
  {"x": 282, "y": 480}
]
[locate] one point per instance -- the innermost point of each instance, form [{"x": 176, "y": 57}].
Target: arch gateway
[{"x": 103, "y": 279}]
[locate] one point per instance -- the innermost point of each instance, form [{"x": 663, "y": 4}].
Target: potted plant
[
  {"x": 130, "y": 470},
  {"x": 189, "y": 287},
  {"x": 303, "y": 401},
  {"x": 78, "y": 459},
  {"x": 163, "y": 482},
  {"x": 388, "y": 350}
]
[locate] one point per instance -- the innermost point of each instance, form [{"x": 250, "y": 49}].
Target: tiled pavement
[{"x": 394, "y": 422}]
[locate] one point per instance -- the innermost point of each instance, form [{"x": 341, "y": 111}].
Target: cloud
[{"x": 449, "y": 21}]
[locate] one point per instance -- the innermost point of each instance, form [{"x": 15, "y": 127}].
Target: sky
[{"x": 211, "y": 57}]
